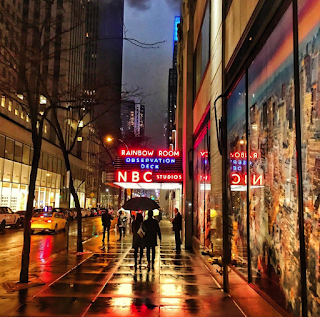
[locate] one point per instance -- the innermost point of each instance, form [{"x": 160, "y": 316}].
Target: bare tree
[{"x": 41, "y": 60}]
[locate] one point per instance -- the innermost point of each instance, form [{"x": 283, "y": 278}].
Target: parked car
[
  {"x": 49, "y": 221},
  {"x": 8, "y": 218},
  {"x": 65, "y": 211},
  {"x": 21, "y": 214}
]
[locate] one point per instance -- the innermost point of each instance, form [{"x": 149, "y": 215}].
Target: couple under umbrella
[
  {"x": 144, "y": 232},
  {"x": 145, "y": 235}
]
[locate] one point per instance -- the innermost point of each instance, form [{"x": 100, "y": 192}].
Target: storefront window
[
  {"x": 274, "y": 230},
  {"x": 9, "y": 149},
  {"x": 309, "y": 50},
  {"x": 17, "y": 151},
  {"x": 237, "y": 168},
  {"x": 202, "y": 200},
  {"x": 26, "y": 154},
  {"x": 2, "y": 145}
]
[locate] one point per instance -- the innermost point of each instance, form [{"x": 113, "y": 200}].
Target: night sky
[{"x": 150, "y": 21}]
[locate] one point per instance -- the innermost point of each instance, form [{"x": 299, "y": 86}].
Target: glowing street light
[{"x": 110, "y": 139}]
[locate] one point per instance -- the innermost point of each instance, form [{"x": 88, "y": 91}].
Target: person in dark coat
[
  {"x": 106, "y": 223},
  {"x": 137, "y": 241},
  {"x": 152, "y": 229},
  {"x": 177, "y": 227}
]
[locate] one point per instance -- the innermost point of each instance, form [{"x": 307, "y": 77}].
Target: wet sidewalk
[{"x": 103, "y": 282}]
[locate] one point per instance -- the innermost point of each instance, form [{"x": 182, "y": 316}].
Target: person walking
[
  {"x": 151, "y": 229},
  {"x": 177, "y": 227},
  {"x": 106, "y": 223},
  {"x": 122, "y": 220},
  {"x": 138, "y": 240}
]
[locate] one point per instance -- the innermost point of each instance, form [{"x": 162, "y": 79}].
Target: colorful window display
[
  {"x": 270, "y": 181},
  {"x": 274, "y": 230},
  {"x": 309, "y": 67},
  {"x": 203, "y": 226},
  {"x": 238, "y": 176}
]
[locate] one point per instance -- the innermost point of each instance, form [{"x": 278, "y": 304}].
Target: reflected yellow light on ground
[
  {"x": 124, "y": 289},
  {"x": 171, "y": 289},
  {"x": 172, "y": 301},
  {"x": 121, "y": 301}
]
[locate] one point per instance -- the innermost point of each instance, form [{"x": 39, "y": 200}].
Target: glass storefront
[
  {"x": 15, "y": 159},
  {"x": 237, "y": 167},
  {"x": 271, "y": 181},
  {"x": 274, "y": 230},
  {"x": 309, "y": 67},
  {"x": 203, "y": 224}
]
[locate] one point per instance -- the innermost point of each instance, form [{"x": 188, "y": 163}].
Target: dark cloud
[
  {"x": 140, "y": 4},
  {"x": 174, "y": 4}
]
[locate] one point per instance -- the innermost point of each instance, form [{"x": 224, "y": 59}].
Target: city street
[
  {"x": 102, "y": 281},
  {"x": 44, "y": 245}
]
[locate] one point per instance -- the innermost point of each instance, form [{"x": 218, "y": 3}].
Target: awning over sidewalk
[{"x": 149, "y": 185}]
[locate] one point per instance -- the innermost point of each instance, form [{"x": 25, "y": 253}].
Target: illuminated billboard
[{"x": 148, "y": 166}]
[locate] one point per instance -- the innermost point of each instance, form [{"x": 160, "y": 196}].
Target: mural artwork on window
[
  {"x": 309, "y": 66},
  {"x": 274, "y": 230}
]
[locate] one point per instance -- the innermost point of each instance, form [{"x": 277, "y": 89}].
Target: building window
[
  {"x": 3, "y": 101},
  {"x": 237, "y": 155},
  {"x": 202, "y": 51},
  {"x": 9, "y": 149},
  {"x": 10, "y": 105}
]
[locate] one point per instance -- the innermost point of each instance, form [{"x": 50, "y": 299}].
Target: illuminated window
[
  {"x": 43, "y": 100},
  {"x": 27, "y": 118},
  {"x": 3, "y": 101},
  {"x": 38, "y": 125},
  {"x": 10, "y": 105},
  {"x": 22, "y": 115},
  {"x": 80, "y": 124},
  {"x": 45, "y": 128},
  {"x": 79, "y": 138},
  {"x": 16, "y": 112},
  {"x": 20, "y": 96}
]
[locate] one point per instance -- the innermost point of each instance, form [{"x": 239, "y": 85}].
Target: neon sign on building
[
  {"x": 238, "y": 167},
  {"x": 148, "y": 166}
]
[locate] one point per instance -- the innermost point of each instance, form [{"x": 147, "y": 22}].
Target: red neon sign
[
  {"x": 204, "y": 153},
  {"x": 242, "y": 155},
  {"x": 146, "y": 177},
  {"x": 149, "y": 153},
  {"x": 236, "y": 179}
]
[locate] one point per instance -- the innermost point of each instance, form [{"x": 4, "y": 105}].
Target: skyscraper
[{"x": 172, "y": 88}]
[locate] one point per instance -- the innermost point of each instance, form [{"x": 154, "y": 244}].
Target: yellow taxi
[{"x": 52, "y": 221}]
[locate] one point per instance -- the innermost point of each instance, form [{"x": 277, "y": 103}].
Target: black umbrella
[{"x": 140, "y": 203}]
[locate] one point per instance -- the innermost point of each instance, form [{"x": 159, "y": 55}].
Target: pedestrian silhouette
[
  {"x": 106, "y": 223},
  {"x": 177, "y": 227},
  {"x": 151, "y": 229},
  {"x": 122, "y": 221},
  {"x": 138, "y": 242}
]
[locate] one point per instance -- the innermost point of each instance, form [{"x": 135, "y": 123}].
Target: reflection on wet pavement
[{"x": 107, "y": 284}]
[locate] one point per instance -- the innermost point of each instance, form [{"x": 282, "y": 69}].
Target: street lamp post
[{"x": 107, "y": 190}]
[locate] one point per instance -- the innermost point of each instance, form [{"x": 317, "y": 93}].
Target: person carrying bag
[{"x": 138, "y": 239}]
